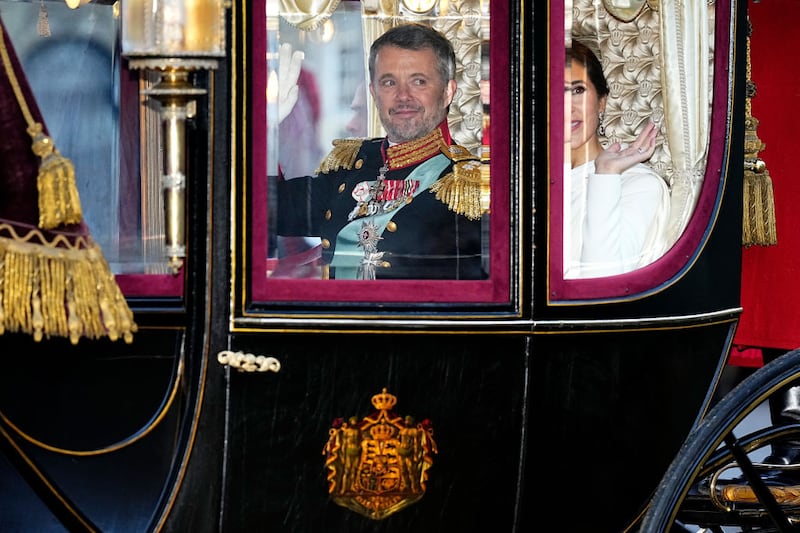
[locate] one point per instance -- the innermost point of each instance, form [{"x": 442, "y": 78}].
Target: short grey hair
[{"x": 415, "y": 36}]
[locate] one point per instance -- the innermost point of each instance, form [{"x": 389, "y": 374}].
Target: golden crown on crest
[{"x": 384, "y": 401}]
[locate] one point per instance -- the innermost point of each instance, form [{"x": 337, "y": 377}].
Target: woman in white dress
[{"x": 615, "y": 206}]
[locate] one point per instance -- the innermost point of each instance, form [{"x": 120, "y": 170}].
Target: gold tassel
[
  {"x": 59, "y": 202},
  {"x": 759, "y": 218},
  {"x": 461, "y": 189},
  {"x": 58, "y": 193},
  {"x": 758, "y": 221}
]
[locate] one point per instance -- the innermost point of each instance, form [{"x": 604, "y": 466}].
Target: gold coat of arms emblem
[{"x": 379, "y": 464}]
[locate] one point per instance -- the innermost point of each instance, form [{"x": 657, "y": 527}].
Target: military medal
[
  {"x": 368, "y": 238},
  {"x": 381, "y": 196},
  {"x": 367, "y": 196}
]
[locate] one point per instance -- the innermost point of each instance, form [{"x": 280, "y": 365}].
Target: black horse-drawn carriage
[{"x": 509, "y": 403}]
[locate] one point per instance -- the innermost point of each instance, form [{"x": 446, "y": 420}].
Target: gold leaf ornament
[
  {"x": 625, "y": 10},
  {"x": 307, "y": 15}
]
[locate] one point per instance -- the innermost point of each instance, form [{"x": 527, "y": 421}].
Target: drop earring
[{"x": 601, "y": 127}]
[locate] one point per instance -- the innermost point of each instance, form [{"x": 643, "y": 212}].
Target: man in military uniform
[{"x": 405, "y": 206}]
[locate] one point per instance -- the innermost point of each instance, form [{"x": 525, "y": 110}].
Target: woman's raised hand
[{"x": 615, "y": 159}]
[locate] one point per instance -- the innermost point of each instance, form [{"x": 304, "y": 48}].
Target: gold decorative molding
[
  {"x": 789, "y": 495},
  {"x": 307, "y": 15},
  {"x": 624, "y": 10}
]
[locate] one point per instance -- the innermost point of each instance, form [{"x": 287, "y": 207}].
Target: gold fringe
[
  {"x": 461, "y": 189},
  {"x": 56, "y": 288},
  {"x": 48, "y": 291},
  {"x": 758, "y": 227},
  {"x": 342, "y": 156}
]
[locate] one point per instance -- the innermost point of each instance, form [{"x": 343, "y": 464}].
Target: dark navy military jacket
[{"x": 424, "y": 239}]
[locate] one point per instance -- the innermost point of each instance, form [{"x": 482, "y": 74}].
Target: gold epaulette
[
  {"x": 457, "y": 152},
  {"x": 461, "y": 188},
  {"x": 342, "y": 156}
]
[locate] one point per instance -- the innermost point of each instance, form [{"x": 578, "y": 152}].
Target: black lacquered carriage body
[{"x": 532, "y": 395}]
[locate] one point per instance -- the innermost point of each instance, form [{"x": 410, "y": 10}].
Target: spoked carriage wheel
[{"x": 716, "y": 482}]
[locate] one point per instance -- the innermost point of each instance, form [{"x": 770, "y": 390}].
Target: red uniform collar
[{"x": 413, "y": 152}]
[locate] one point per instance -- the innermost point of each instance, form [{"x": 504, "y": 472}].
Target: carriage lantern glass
[{"x": 173, "y": 38}]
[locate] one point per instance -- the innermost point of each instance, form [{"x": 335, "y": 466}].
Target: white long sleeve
[{"x": 614, "y": 223}]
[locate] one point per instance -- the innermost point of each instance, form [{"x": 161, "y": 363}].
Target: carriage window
[
  {"x": 638, "y": 130},
  {"x": 375, "y": 127},
  {"x": 405, "y": 203}
]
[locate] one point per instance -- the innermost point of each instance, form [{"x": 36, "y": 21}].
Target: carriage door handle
[{"x": 247, "y": 362}]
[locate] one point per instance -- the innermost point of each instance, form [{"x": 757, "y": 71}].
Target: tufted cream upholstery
[{"x": 629, "y": 53}]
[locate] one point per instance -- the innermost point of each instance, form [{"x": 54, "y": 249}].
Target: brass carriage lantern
[{"x": 173, "y": 38}]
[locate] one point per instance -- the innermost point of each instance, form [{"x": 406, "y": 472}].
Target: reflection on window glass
[
  {"x": 73, "y": 71},
  {"x": 378, "y": 163}
]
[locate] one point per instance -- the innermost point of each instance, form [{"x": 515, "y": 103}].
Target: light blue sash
[{"x": 348, "y": 255}]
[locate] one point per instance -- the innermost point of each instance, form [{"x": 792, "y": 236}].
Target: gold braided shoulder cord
[{"x": 58, "y": 194}]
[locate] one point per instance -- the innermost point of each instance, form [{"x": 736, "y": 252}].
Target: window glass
[
  {"x": 121, "y": 202},
  {"x": 419, "y": 208},
  {"x": 642, "y": 113},
  {"x": 334, "y": 213}
]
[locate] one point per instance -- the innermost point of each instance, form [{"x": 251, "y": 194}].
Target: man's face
[{"x": 409, "y": 93}]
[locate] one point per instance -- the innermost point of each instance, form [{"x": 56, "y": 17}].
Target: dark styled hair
[
  {"x": 416, "y": 36},
  {"x": 583, "y": 54}
]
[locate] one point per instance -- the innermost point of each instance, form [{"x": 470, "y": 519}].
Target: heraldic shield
[{"x": 378, "y": 465}]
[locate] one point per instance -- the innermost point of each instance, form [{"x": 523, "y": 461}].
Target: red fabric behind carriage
[{"x": 771, "y": 275}]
